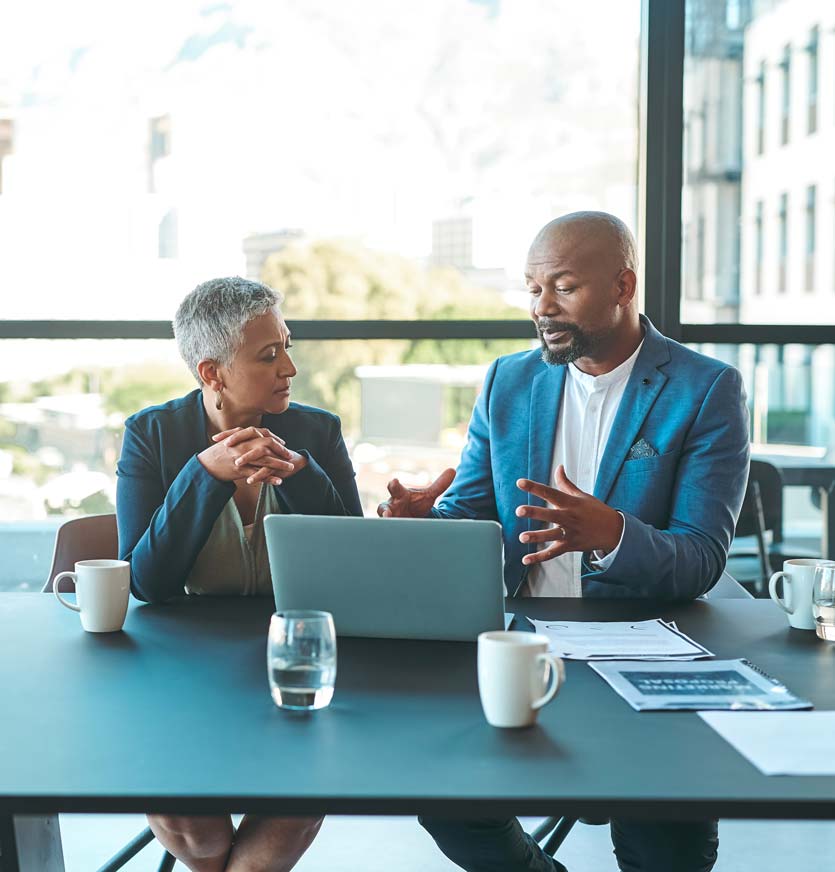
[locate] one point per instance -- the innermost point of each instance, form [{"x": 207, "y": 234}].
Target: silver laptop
[{"x": 398, "y": 578}]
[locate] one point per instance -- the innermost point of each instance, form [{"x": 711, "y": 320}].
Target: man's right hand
[{"x": 414, "y": 502}]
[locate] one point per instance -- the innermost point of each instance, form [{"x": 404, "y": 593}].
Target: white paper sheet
[
  {"x": 779, "y": 743},
  {"x": 619, "y": 640}
]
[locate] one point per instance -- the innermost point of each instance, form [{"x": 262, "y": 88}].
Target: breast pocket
[
  {"x": 649, "y": 467},
  {"x": 644, "y": 487}
]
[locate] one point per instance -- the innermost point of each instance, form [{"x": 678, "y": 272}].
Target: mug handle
[
  {"x": 61, "y": 599},
  {"x": 772, "y": 592},
  {"x": 556, "y": 677}
]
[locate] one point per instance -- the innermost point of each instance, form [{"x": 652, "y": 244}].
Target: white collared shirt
[{"x": 587, "y": 411}]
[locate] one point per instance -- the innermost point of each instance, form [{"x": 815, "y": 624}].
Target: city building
[
  {"x": 6, "y": 142},
  {"x": 787, "y": 270},
  {"x": 452, "y": 242},
  {"x": 712, "y": 160},
  {"x": 787, "y": 219},
  {"x": 258, "y": 247},
  {"x": 758, "y": 198}
]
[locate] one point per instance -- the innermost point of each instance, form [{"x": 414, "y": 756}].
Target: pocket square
[{"x": 641, "y": 448}]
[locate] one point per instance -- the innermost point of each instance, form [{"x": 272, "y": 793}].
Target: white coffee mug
[
  {"x": 102, "y": 588},
  {"x": 798, "y": 580},
  {"x": 517, "y": 676}
]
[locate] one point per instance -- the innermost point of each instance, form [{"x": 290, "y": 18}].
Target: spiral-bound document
[{"x": 735, "y": 685}]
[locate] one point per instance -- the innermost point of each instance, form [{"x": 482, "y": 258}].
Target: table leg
[{"x": 30, "y": 844}]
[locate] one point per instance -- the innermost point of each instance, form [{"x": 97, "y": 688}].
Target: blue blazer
[
  {"x": 167, "y": 503},
  {"x": 680, "y": 505}
]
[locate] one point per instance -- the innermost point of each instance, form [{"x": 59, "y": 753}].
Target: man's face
[{"x": 573, "y": 295}]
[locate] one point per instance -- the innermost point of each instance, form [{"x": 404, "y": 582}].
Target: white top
[
  {"x": 234, "y": 559},
  {"x": 587, "y": 412}
]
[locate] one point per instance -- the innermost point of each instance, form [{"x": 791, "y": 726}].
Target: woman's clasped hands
[{"x": 252, "y": 453}]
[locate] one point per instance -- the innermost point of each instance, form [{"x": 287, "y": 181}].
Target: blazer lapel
[
  {"x": 546, "y": 398},
  {"x": 197, "y": 439},
  {"x": 644, "y": 385}
]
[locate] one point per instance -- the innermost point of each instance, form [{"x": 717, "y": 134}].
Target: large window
[
  {"x": 404, "y": 405},
  {"x": 791, "y": 403},
  {"x": 756, "y": 69},
  {"x": 409, "y": 151},
  {"x": 745, "y": 211},
  {"x": 757, "y": 287},
  {"x": 385, "y": 165},
  {"x": 790, "y": 396}
]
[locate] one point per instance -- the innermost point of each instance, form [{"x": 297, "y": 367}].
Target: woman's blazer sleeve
[
  {"x": 161, "y": 531},
  {"x": 327, "y": 485}
]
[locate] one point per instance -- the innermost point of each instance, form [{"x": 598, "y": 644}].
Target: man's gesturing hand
[
  {"x": 414, "y": 502},
  {"x": 577, "y": 521}
]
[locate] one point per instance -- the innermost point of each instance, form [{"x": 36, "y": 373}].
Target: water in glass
[
  {"x": 302, "y": 686},
  {"x": 823, "y": 600},
  {"x": 301, "y": 659}
]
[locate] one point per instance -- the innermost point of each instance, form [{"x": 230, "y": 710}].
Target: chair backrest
[
  {"x": 89, "y": 538},
  {"x": 727, "y": 588},
  {"x": 763, "y": 494}
]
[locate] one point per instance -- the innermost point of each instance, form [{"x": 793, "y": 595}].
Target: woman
[{"x": 195, "y": 479}]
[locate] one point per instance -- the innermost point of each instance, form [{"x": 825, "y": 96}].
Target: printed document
[
  {"x": 717, "y": 684},
  {"x": 619, "y": 640}
]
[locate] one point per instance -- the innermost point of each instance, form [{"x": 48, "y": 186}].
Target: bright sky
[{"x": 364, "y": 118}]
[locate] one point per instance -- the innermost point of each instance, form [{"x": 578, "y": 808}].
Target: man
[{"x": 616, "y": 462}]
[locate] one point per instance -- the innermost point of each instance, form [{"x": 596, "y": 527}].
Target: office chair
[
  {"x": 89, "y": 538},
  {"x": 552, "y": 832},
  {"x": 762, "y": 513}
]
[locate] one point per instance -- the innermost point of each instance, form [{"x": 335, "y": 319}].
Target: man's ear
[
  {"x": 627, "y": 283},
  {"x": 209, "y": 373}
]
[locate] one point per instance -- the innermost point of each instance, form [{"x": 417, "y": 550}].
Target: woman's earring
[{"x": 218, "y": 400}]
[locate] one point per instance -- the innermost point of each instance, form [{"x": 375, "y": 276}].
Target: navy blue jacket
[{"x": 167, "y": 503}]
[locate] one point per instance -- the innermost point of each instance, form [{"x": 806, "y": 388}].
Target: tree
[
  {"x": 130, "y": 388},
  {"x": 340, "y": 279}
]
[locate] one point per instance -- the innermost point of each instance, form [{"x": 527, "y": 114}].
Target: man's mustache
[{"x": 549, "y": 325}]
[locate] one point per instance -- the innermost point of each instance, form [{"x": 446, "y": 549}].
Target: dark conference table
[{"x": 174, "y": 714}]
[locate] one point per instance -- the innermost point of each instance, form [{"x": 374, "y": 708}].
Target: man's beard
[{"x": 580, "y": 345}]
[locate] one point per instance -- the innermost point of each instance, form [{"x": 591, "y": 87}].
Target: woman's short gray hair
[{"x": 209, "y": 324}]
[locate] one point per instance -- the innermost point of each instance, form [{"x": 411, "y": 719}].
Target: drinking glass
[
  {"x": 301, "y": 659},
  {"x": 823, "y": 600}
]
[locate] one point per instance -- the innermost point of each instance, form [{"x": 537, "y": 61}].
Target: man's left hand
[{"x": 578, "y": 521}]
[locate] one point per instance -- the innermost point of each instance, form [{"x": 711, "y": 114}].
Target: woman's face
[{"x": 258, "y": 378}]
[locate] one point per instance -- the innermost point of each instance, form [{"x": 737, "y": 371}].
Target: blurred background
[{"x": 380, "y": 161}]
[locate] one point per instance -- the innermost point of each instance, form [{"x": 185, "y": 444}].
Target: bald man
[{"x": 615, "y": 460}]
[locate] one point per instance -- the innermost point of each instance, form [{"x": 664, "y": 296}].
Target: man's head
[{"x": 581, "y": 276}]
